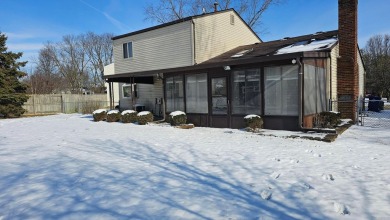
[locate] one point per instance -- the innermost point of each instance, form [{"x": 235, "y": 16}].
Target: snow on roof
[
  {"x": 312, "y": 45},
  {"x": 128, "y": 112},
  {"x": 143, "y": 113},
  {"x": 98, "y": 111},
  {"x": 252, "y": 116},
  {"x": 175, "y": 113}
]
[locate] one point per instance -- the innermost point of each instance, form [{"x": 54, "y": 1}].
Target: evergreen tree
[{"x": 12, "y": 91}]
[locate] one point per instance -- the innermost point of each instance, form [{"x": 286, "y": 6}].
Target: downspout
[
  {"x": 300, "y": 88},
  {"x": 193, "y": 43}
]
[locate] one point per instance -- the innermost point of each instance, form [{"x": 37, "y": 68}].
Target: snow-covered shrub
[
  {"x": 99, "y": 115},
  {"x": 328, "y": 119},
  {"x": 129, "y": 116},
  {"x": 113, "y": 116},
  {"x": 177, "y": 118},
  {"x": 144, "y": 117},
  {"x": 253, "y": 121}
]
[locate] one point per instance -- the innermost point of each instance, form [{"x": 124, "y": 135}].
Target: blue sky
[{"x": 31, "y": 23}]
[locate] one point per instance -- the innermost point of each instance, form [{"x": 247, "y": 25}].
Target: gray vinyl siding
[
  {"x": 162, "y": 48},
  {"x": 147, "y": 93},
  {"x": 215, "y": 35}
]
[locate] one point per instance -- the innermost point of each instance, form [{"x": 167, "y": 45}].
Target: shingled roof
[{"x": 318, "y": 42}]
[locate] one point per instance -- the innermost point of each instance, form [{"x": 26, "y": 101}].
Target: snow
[
  {"x": 308, "y": 46},
  {"x": 128, "y": 112},
  {"x": 69, "y": 167},
  {"x": 98, "y": 111},
  {"x": 251, "y": 116},
  {"x": 176, "y": 113},
  {"x": 144, "y": 113},
  {"x": 112, "y": 112}
]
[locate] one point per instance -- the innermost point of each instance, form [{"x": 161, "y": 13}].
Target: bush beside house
[
  {"x": 253, "y": 122},
  {"x": 99, "y": 115},
  {"x": 129, "y": 116},
  {"x": 177, "y": 118},
  {"x": 113, "y": 116},
  {"x": 144, "y": 117},
  {"x": 328, "y": 119}
]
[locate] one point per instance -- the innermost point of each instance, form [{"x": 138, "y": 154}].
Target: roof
[
  {"x": 189, "y": 18},
  {"x": 318, "y": 42}
]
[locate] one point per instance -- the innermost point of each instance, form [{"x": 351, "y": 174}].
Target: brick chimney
[{"x": 347, "y": 67}]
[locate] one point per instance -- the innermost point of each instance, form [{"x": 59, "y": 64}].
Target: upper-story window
[{"x": 128, "y": 50}]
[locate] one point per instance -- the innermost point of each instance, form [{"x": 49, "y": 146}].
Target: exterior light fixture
[
  {"x": 293, "y": 61},
  {"x": 226, "y": 68}
]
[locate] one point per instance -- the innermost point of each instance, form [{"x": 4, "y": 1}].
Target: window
[
  {"x": 281, "y": 90},
  {"x": 196, "y": 93},
  {"x": 246, "y": 92},
  {"x": 174, "y": 94},
  {"x": 128, "y": 50},
  {"x": 232, "y": 19},
  {"x": 126, "y": 88}
]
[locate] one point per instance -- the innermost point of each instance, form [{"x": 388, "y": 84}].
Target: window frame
[
  {"x": 127, "y": 49},
  {"x": 246, "y": 107}
]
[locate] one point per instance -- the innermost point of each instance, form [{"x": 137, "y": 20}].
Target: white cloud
[{"x": 24, "y": 46}]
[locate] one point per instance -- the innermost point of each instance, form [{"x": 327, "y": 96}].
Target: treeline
[
  {"x": 376, "y": 57},
  {"x": 74, "y": 65}
]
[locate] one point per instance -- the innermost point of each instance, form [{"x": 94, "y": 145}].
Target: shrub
[
  {"x": 99, "y": 115},
  {"x": 144, "y": 117},
  {"x": 328, "y": 119},
  {"x": 113, "y": 116},
  {"x": 177, "y": 118},
  {"x": 129, "y": 116},
  {"x": 253, "y": 121}
]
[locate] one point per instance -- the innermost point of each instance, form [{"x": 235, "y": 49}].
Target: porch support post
[{"x": 110, "y": 93}]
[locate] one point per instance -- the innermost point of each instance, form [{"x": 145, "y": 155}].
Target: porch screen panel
[
  {"x": 246, "y": 92},
  {"x": 196, "y": 93},
  {"x": 315, "y": 100},
  {"x": 281, "y": 90},
  {"x": 309, "y": 89},
  {"x": 174, "y": 94}
]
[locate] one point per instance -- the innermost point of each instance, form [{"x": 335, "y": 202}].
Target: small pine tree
[{"x": 12, "y": 91}]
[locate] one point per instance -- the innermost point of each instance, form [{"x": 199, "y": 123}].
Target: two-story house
[{"x": 217, "y": 70}]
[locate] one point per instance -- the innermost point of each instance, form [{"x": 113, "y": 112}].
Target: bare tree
[
  {"x": 71, "y": 60},
  {"x": 99, "y": 51},
  {"x": 376, "y": 56},
  {"x": 164, "y": 11}
]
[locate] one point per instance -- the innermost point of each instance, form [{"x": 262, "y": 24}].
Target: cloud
[
  {"x": 24, "y": 46},
  {"x": 121, "y": 26},
  {"x": 18, "y": 35}
]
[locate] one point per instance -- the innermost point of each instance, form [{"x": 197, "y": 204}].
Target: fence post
[
  {"x": 62, "y": 104},
  {"x": 34, "y": 110}
]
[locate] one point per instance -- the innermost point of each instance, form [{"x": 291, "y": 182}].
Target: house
[{"x": 217, "y": 70}]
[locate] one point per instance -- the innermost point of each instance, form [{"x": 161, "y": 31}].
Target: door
[{"x": 219, "y": 102}]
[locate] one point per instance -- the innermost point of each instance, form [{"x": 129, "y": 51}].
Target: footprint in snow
[
  {"x": 275, "y": 175},
  {"x": 327, "y": 177},
  {"x": 308, "y": 151},
  {"x": 317, "y": 155},
  {"x": 266, "y": 194},
  {"x": 340, "y": 208}
]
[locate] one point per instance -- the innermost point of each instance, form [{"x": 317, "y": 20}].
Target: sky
[{"x": 29, "y": 24}]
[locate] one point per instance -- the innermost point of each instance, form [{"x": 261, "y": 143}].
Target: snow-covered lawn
[{"x": 69, "y": 167}]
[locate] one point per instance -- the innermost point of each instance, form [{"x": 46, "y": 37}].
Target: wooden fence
[{"x": 64, "y": 103}]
